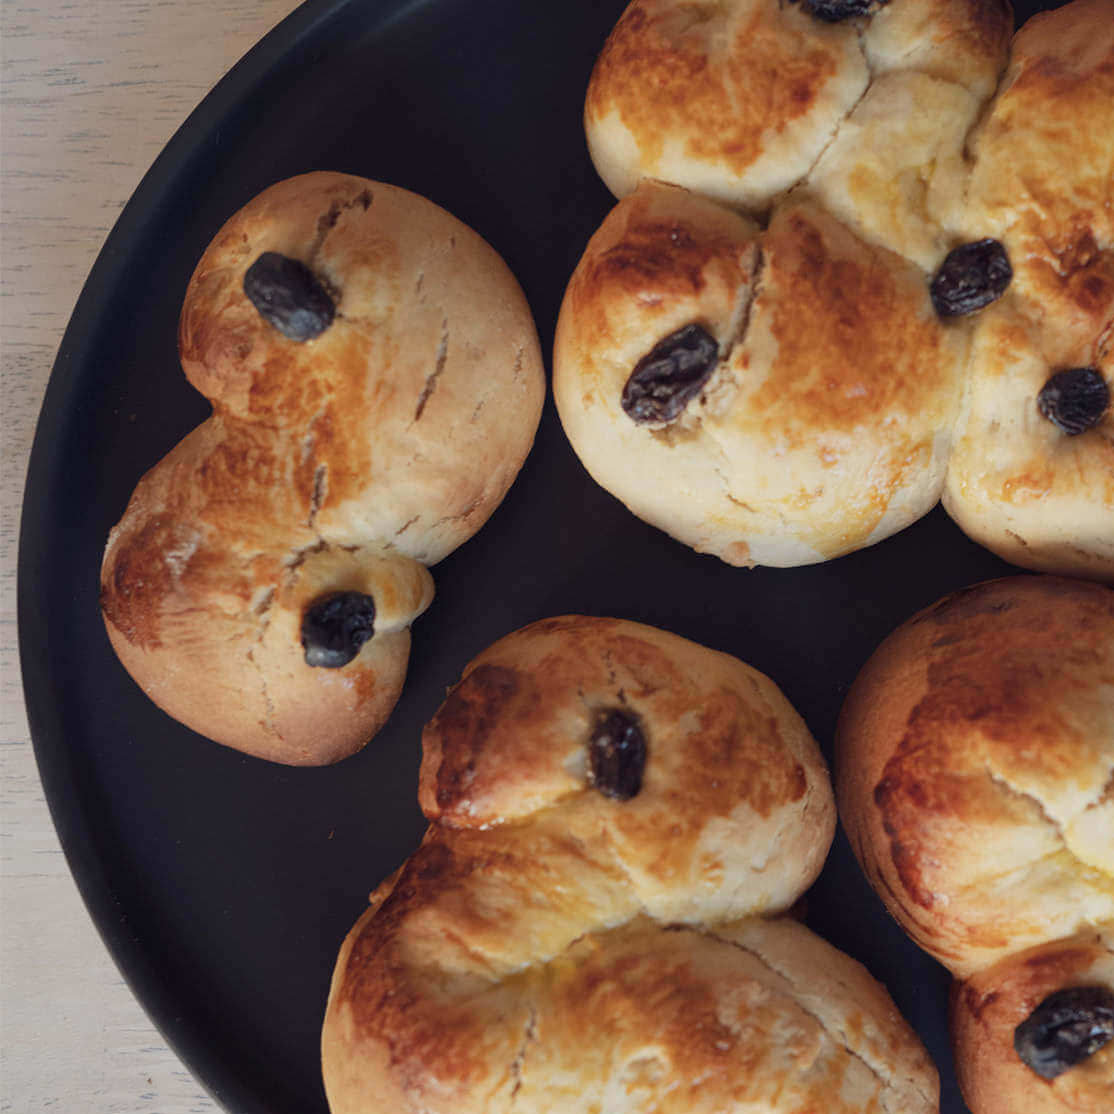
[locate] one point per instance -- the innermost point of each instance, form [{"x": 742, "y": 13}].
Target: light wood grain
[{"x": 92, "y": 91}]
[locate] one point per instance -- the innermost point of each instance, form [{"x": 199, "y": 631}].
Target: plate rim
[{"x": 313, "y": 24}]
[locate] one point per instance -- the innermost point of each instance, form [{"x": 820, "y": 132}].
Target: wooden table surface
[{"x": 92, "y": 90}]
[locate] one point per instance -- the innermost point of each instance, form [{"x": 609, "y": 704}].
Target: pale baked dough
[
  {"x": 1043, "y": 184},
  {"x": 919, "y": 128},
  {"x": 826, "y": 424}
]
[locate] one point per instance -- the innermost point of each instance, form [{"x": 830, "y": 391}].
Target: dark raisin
[
  {"x": 334, "y": 627},
  {"x": 1065, "y": 1029},
  {"x": 971, "y": 277},
  {"x": 671, "y": 375},
  {"x": 833, "y": 11},
  {"x": 1075, "y": 400},
  {"x": 289, "y": 296},
  {"x": 617, "y": 754}
]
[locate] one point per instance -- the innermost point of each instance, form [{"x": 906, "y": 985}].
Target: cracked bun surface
[
  {"x": 1042, "y": 184},
  {"x": 974, "y": 169},
  {"x": 376, "y": 383},
  {"x": 617, "y": 818},
  {"x": 824, "y": 424},
  {"x": 737, "y": 100},
  {"x": 975, "y": 757},
  {"x": 975, "y": 776}
]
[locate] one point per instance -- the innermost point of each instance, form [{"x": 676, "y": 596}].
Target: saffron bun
[
  {"x": 579, "y": 933},
  {"x": 738, "y": 100},
  {"x": 1042, "y": 183},
  {"x": 975, "y": 766},
  {"x": 971, "y": 172},
  {"x": 990, "y": 1006},
  {"x": 339, "y": 462},
  {"x": 824, "y": 422}
]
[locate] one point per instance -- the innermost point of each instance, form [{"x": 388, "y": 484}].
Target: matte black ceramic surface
[{"x": 223, "y": 885}]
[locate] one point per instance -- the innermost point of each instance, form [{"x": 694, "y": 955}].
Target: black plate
[{"x": 221, "y": 884}]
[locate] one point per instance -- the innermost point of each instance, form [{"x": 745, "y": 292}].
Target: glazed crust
[
  {"x": 1041, "y": 183},
  {"x": 553, "y": 948},
  {"x": 975, "y": 778},
  {"x": 988, "y": 1008},
  {"x": 346, "y": 462},
  {"x": 975, "y": 757},
  {"x": 917, "y": 127},
  {"x": 738, "y": 100},
  {"x": 826, "y": 424}
]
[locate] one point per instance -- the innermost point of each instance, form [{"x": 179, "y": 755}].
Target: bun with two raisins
[{"x": 376, "y": 382}]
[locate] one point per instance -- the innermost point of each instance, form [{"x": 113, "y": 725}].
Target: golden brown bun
[
  {"x": 975, "y": 754},
  {"x": 345, "y": 462},
  {"x": 988, "y": 1008},
  {"x": 551, "y": 948},
  {"x": 1042, "y": 184},
  {"x": 905, "y": 125},
  {"x": 738, "y": 100},
  {"x": 975, "y": 776},
  {"x": 825, "y": 425}
]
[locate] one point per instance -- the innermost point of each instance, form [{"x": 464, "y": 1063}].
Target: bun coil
[
  {"x": 618, "y": 820},
  {"x": 376, "y": 383},
  {"x": 825, "y": 421},
  {"x": 894, "y": 231},
  {"x": 1030, "y": 478},
  {"x": 975, "y": 776}
]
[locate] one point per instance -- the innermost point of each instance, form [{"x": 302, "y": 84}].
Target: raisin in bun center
[{"x": 619, "y": 819}]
